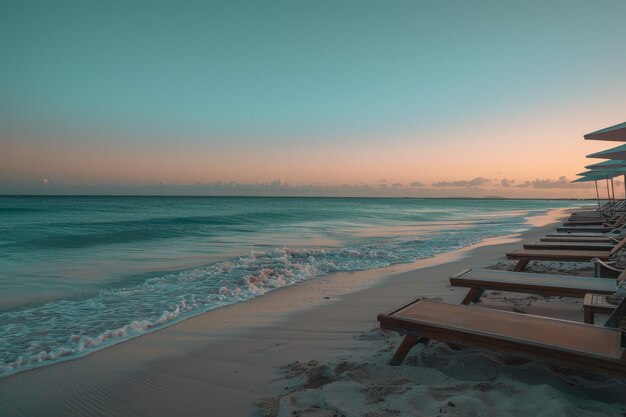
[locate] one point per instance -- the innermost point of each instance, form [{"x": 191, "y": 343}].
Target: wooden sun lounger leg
[
  {"x": 473, "y": 295},
  {"x": 404, "y": 348},
  {"x": 521, "y": 265}
]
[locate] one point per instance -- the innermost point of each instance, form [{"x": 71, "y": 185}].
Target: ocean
[{"x": 82, "y": 273}]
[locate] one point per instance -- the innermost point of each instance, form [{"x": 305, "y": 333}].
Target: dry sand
[{"x": 314, "y": 349}]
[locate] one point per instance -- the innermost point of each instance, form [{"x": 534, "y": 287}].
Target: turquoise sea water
[{"x": 82, "y": 273}]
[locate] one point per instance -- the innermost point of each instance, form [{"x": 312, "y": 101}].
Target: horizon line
[{"x": 298, "y": 196}]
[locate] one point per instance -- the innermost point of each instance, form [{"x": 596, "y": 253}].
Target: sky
[{"x": 354, "y": 98}]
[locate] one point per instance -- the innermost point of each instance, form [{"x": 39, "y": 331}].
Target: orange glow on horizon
[{"x": 505, "y": 149}]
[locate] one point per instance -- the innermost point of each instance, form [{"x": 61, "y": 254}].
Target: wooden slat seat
[
  {"x": 523, "y": 256},
  {"x": 569, "y": 343},
  {"x": 568, "y": 238},
  {"x": 580, "y": 221},
  {"x": 595, "y": 234},
  {"x": 480, "y": 280},
  {"x": 614, "y": 221},
  {"x": 587, "y": 229},
  {"x": 569, "y": 245}
]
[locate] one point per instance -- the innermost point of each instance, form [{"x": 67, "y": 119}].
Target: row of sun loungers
[{"x": 573, "y": 344}]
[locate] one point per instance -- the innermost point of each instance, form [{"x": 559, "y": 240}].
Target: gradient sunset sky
[{"x": 370, "y": 98}]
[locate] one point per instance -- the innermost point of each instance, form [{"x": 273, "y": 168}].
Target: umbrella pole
[
  {"x": 613, "y": 196},
  {"x": 624, "y": 186},
  {"x": 612, "y": 189},
  {"x": 598, "y": 193}
]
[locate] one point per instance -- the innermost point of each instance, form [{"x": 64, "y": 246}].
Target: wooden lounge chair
[
  {"x": 588, "y": 215},
  {"x": 593, "y": 224},
  {"x": 567, "y": 238},
  {"x": 570, "y": 245},
  {"x": 584, "y": 223},
  {"x": 586, "y": 232},
  {"x": 524, "y": 256},
  {"x": 573, "y": 344},
  {"x": 480, "y": 280},
  {"x": 591, "y": 214},
  {"x": 581, "y": 235},
  {"x": 615, "y": 221},
  {"x": 582, "y": 229}
]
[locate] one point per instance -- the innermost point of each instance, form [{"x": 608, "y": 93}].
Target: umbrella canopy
[
  {"x": 616, "y": 133},
  {"x": 619, "y": 152},
  {"x": 605, "y": 171},
  {"x": 611, "y": 163},
  {"x": 603, "y": 174},
  {"x": 589, "y": 178}
]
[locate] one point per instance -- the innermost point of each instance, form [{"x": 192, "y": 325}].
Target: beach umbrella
[
  {"x": 611, "y": 163},
  {"x": 618, "y": 170},
  {"x": 592, "y": 173},
  {"x": 619, "y": 152},
  {"x": 616, "y": 133},
  {"x": 614, "y": 172},
  {"x": 590, "y": 177},
  {"x": 607, "y": 173}
]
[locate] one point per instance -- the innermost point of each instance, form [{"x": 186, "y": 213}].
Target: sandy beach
[
  {"x": 314, "y": 349},
  {"x": 229, "y": 209}
]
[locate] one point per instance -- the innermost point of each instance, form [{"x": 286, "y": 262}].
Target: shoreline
[
  {"x": 343, "y": 282},
  {"x": 221, "y": 361}
]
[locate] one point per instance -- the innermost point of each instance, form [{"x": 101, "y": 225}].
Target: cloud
[
  {"x": 474, "y": 182},
  {"x": 547, "y": 183},
  {"x": 524, "y": 184},
  {"x": 277, "y": 183},
  {"x": 279, "y": 187},
  {"x": 562, "y": 182},
  {"x": 382, "y": 183}
]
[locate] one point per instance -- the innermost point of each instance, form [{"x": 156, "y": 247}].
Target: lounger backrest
[
  {"x": 619, "y": 220},
  {"x": 618, "y": 247},
  {"x": 619, "y": 228},
  {"x": 618, "y": 314}
]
